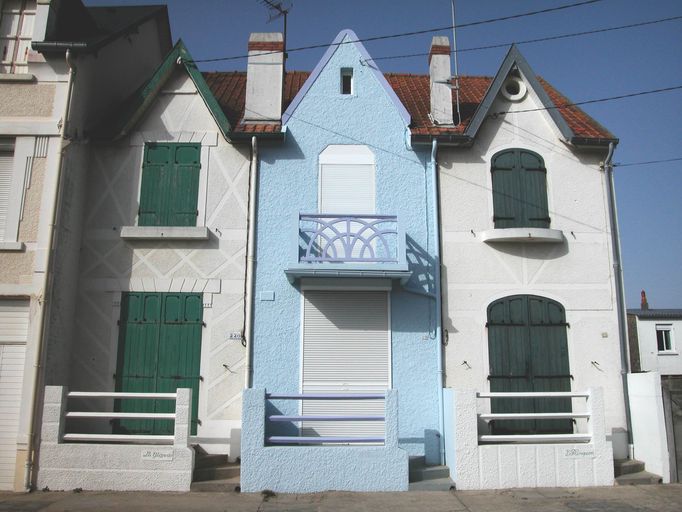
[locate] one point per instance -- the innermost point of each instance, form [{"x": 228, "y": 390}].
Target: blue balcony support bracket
[{"x": 349, "y": 245}]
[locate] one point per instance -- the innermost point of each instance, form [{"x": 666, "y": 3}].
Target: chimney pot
[{"x": 644, "y": 303}]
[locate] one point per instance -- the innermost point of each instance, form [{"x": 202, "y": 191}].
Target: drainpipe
[
  {"x": 607, "y": 166},
  {"x": 43, "y": 317},
  {"x": 250, "y": 261},
  {"x": 436, "y": 242}
]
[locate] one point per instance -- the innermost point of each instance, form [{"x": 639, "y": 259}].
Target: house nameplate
[
  {"x": 165, "y": 454},
  {"x": 579, "y": 452}
]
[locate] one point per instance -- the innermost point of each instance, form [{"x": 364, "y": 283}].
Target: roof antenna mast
[
  {"x": 454, "y": 57},
  {"x": 279, "y": 9}
]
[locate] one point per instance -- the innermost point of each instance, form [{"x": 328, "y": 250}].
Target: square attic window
[{"x": 346, "y": 80}]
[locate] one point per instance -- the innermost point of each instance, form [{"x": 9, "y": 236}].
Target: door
[
  {"x": 159, "y": 351},
  {"x": 528, "y": 351},
  {"x": 13, "y": 337},
  {"x": 346, "y": 349}
]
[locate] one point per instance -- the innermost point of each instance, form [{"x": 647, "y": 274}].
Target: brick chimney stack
[
  {"x": 264, "y": 78},
  {"x": 644, "y": 304},
  {"x": 439, "y": 81}
]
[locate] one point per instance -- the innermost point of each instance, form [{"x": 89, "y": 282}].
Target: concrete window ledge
[
  {"x": 164, "y": 233},
  {"x": 17, "y": 77},
  {"x": 12, "y": 246},
  {"x": 524, "y": 235}
]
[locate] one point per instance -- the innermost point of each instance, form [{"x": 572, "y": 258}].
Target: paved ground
[{"x": 646, "y": 498}]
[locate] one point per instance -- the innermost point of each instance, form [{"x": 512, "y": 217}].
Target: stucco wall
[
  {"x": 26, "y": 100},
  {"x": 110, "y": 265},
  {"x": 651, "y": 360},
  {"x": 289, "y": 185},
  {"x": 577, "y": 273}
]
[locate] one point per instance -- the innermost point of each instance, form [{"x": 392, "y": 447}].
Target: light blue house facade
[{"x": 346, "y": 297}]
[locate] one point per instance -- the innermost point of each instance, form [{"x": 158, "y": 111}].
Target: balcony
[{"x": 349, "y": 245}]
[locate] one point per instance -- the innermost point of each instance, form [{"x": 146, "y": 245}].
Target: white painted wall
[
  {"x": 110, "y": 265},
  {"x": 651, "y": 360},
  {"x": 648, "y": 423},
  {"x": 577, "y": 273}
]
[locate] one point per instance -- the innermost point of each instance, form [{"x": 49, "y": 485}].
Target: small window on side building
[
  {"x": 16, "y": 29},
  {"x": 346, "y": 80},
  {"x": 664, "y": 338}
]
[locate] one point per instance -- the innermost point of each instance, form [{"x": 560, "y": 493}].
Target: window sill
[
  {"x": 669, "y": 353},
  {"x": 524, "y": 235},
  {"x": 12, "y": 246},
  {"x": 164, "y": 233},
  {"x": 17, "y": 77}
]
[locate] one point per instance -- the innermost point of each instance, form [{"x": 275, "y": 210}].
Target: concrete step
[
  {"x": 225, "y": 485},
  {"x": 627, "y": 466},
  {"x": 216, "y": 473},
  {"x": 429, "y": 473},
  {"x": 204, "y": 460},
  {"x": 417, "y": 462},
  {"x": 438, "y": 484},
  {"x": 639, "y": 478}
]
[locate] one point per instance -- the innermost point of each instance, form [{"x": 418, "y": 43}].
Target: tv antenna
[
  {"x": 454, "y": 56},
  {"x": 279, "y": 9}
]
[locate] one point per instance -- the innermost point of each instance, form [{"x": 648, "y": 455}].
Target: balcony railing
[{"x": 343, "y": 238}]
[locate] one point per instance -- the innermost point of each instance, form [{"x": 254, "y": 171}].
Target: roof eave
[{"x": 445, "y": 139}]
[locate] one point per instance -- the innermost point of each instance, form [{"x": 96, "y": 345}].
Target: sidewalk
[{"x": 648, "y": 498}]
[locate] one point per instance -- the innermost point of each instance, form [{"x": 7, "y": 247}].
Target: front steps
[
  {"x": 214, "y": 473},
  {"x": 428, "y": 478},
  {"x": 631, "y": 472}
]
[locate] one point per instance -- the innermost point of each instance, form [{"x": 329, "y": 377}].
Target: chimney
[
  {"x": 439, "y": 81},
  {"x": 264, "y": 78},
  {"x": 644, "y": 304}
]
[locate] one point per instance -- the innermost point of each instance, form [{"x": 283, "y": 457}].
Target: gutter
[
  {"x": 43, "y": 317},
  {"x": 250, "y": 261},
  {"x": 264, "y": 136},
  {"x": 607, "y": 166},
  {"x": 439, "y": 354}
]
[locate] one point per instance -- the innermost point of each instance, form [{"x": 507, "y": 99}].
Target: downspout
[
  {"x": 436, "y": 242},
  {"x": 43, "y": 318},
  {"x": 250, "y": 261},
  {"x": 607, "y": 166}
]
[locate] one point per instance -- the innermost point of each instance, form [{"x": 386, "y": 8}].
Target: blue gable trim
[
  {"x": 347, "y": 33},
  {"x": 514, "y": 58}
]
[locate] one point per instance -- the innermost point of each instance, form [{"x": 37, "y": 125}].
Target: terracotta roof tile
[{"x": 412, "y": 90}]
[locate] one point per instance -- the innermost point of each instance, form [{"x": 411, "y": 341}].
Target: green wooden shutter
[
  {"x": 528, "y": 351},
  {"x": 519, "y": 190},
  {"x": 170, "y": 184}
]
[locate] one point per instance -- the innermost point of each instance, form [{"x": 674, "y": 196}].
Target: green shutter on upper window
[
  {"x": 519, "y": 190},
  {"x": 170, "y": 184}
]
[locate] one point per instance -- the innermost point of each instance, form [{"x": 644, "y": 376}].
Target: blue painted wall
[{"x": 288, "y": 185}]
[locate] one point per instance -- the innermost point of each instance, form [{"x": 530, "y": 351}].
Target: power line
[
  {"x": 417, "y": 32},
  {"x": 538, "y": 40},
  {"x": 649, "y": 162},
  {"x": 587, "y": 102}
]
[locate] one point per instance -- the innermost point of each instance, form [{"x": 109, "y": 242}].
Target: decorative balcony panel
[{"x": 349, "y": 245}]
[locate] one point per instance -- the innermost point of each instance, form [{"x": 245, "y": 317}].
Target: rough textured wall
[
  {"x": 110, "y": 265},
  {"x": 26, "y": 100},
  {"x": 577, "y": 273},
  {"x": 28, "y": 226},
  {"x": 16, "y": 267},
  {"x": 289, "y": 185}
]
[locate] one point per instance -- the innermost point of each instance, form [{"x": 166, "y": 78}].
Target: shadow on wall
[{"x": 534, "y": 251}]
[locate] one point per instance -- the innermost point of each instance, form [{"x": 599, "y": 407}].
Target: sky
[{"x": 583, "y": 68}]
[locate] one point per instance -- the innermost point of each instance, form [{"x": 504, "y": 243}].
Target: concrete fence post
[
  {"x": 54, "y": 408},
  {"x": 183, "y": 417},
  {"x": 466, "y": 443},
  {"x": 391, "y": 419}
]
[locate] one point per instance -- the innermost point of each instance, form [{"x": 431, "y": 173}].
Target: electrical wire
[
  {"x": 537, "y": 40},
  {"x": 415, "y": 32},
  {"x": 648, "y": 162}
]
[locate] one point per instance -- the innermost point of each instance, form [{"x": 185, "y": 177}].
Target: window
[
  {"x": 6, "y": 174},
  {"x": 16, "y": 29},
  {"x": 170, "y": 184},
  {"x": 519, "y": 190},
  {"x": 664, "y": 337},
  {"x": 346, "y": 80}
]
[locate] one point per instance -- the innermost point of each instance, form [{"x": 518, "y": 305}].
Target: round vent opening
[{"x": 514, "y": 89}]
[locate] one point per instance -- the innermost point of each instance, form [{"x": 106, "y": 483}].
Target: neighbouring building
[{"x": 63, "y": 65}]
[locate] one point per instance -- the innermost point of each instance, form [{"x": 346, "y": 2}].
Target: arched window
[
  {"x": 528, "y": 351},
  {"x": 519, "y": 190}
]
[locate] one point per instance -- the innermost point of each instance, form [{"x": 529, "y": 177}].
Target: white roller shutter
[
  {"x": 347, "y": 188},
  {"x": 13, "y": 336},
  {"x": 6, "y": 171},
  {"x": 346, "y": 349}
]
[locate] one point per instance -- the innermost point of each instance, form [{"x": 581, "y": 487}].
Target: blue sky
[{"x": 582, "y": 68}]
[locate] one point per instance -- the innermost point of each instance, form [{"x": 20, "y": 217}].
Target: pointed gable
[{"x": 346, "y": 37}]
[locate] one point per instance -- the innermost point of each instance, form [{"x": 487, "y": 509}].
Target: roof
[
  {"x": 669, "y": 314},
  {"x": 89, "y": 28},
  {"x": 229, "y": 88}
]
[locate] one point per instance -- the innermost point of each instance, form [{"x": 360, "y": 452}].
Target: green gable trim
[{"x": 138, "y": 104}]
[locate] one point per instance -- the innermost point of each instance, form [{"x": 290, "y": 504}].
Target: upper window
[
  {"x": 346, "y": 80},
  {"x": 347, "y": 180},
  {"x": 16, "y": 29},
  {"x": 6, "y": 174},
  {"x": 664, "y": 337},
  {"x": 519, "y": 190},
  {"x": 170, "y": 184}
]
